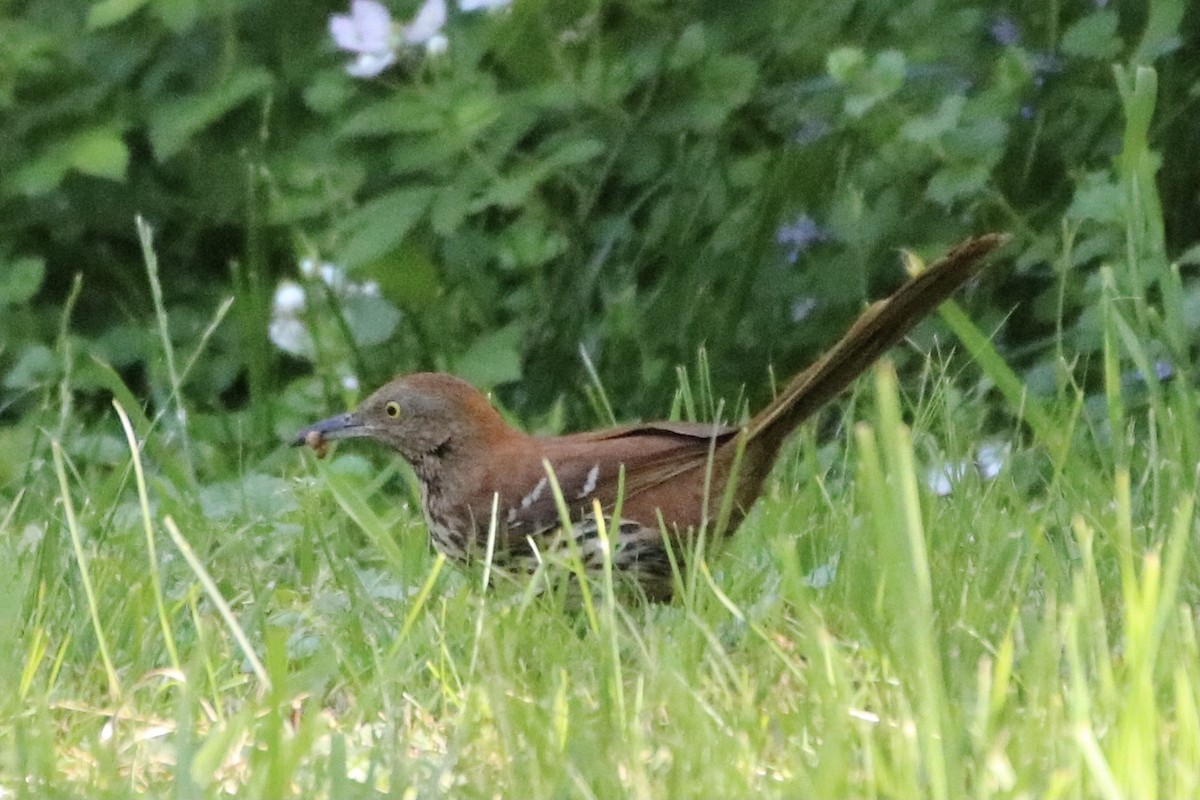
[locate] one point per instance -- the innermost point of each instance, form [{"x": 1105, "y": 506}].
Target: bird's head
[{"x": 416, "y": 415}]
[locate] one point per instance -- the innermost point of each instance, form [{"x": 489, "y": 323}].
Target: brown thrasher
[{"x": 676, "y": 476}]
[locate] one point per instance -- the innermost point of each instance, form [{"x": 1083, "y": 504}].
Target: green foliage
[
  {"x": 192, "y": 609},
  {"x": 571, "y": 174}
]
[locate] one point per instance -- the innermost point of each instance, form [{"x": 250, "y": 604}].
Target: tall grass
[{"x": 285, "y": 631}]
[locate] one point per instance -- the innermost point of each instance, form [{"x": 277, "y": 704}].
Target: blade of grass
[
  {"x": 218, "y": 600},
  {"x": 1045, "y": 427},
  {"x": 899, "y": 500},
  {"x": 217, "y": 318},
  {"x": 598, "y": 386},
  {"x": 146, "y": 238},
  {"x": 135, "y": 454},
  {"x": 610, "y": 616},
  {"x": 110, "y": 671},
  {"x": 65, "y": 395},
  {"x": 489, "y": 556},
  {"x": 1081, "y": 724},
  {"x": 355, "y": 506},
  {"x": 422, "y": 597},
  {"x": 576, "y": 563}
]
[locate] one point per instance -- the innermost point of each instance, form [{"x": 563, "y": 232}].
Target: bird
[{"x": 637, "y": 495}]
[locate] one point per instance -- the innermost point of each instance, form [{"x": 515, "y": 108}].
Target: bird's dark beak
[{"x": 343, "y": 426}]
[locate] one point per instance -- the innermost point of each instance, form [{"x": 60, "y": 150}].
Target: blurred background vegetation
[{"x": 630, "y": 179}]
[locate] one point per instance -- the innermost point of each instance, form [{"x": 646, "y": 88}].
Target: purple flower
[
  {"x": 802, "y": 307},
  {"x": 811, "y": 131},
  {"x": 1044, "y": 64},
  {"x": 1004, "y": 31},
  {"x": 799, "y": 236},
  {"x": 1163, "y": 371},
  {"x": 367, "y": 32}
]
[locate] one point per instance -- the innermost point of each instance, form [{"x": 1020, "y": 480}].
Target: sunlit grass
[
  {"x": 1029, "y": 634},
  {"x": 285, "y": 632}
]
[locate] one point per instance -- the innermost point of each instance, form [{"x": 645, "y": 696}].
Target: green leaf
[
  {"x": 513, "y": 189},
  {"x": 450, "y": 208},
  {"x": 407, "y": 275},
  {"x": 888, "y": 69},
  {"x": 956, "y": 181},
  {"x": 174, "y": 122},
  {"x": 881, "y": 81},
  {"x": 473, "y": 114},
  {"x": 370, "y": 318},
  {"x": 1160, "y": 36},
  {"x": 100, "y": 152},
  {"x": 43, "y": 173},
  {"x": 690, "y": 48},
  {"x": 253, "y": 495},
  {"x": 1097, "y": 199},
  {"x": 178, "y": 15},
  {"x": 97, "y": 151},
  {"x": 932, "y": 126},
  {"x": 100, "y": 373},
  {"x": 21, "y": 279},
  {"x": 380, "y": 225},
  {"x": 493, "y": 359},
  {"x": 528, "y": 243},
  {"x": 36, "y": 367},
  {"x": 725, "y": 84},
  {"x": 846, "y": 64},
  {"x": 328, "y": 92},
  {"x": 1093, "y": 36},
  {"x": 407, "y": 112},
  {"x": 110, "y": 12}
]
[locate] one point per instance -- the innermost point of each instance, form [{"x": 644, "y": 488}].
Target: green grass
[
  {"x": 182, "y": 621},
  {"x": 1028, "y": 635}
]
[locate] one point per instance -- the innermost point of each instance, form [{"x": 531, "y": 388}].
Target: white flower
[
  {"x": 333, "y": 276},
  {"x": 367, "y": 318},
  {"x": 368, "y": 65},
  {"x": 286, "y": 329},
  {"x": 427, "y": 24},
  {"x": 941, "y": 479},
  {"x": 483, "y": 5},
  {"x": 289, "y": 299},
  {"x": 367, "y": 32},
  {"x": 990, "y": 458},
  {"x": 290, "y": 336},
  {"x": 436, "y": 45}
]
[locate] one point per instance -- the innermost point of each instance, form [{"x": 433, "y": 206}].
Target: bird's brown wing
[{"x": 651, "y": 455}]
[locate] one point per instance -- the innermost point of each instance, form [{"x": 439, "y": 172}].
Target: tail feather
[{"x": 876, "y": 331}]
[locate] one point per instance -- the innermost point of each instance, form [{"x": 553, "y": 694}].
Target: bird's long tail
[{"x": 879, "y": 328}]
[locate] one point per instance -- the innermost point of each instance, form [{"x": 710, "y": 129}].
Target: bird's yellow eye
[{"x": 392, "y": 409}]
